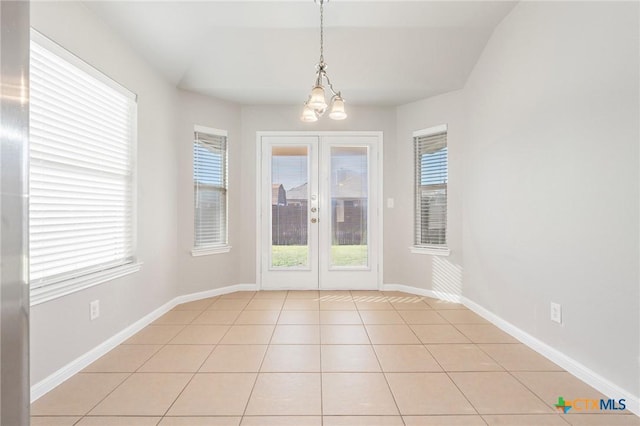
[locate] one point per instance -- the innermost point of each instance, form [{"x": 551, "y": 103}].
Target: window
[
  {"x": 210, "y": 191},
  {"x": 81, "y": 174},
  {"x": 431, "y": 176}
]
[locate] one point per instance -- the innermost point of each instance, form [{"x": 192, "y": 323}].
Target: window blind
[
  {"x": 431, "y": 175},
  {"x": 210, "y": 189},
  {"x": 81, "y": 175}
]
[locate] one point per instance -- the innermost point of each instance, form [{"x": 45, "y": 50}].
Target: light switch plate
[
  {"x": 556, "y": 312},
  {"x": 94, "y": 307}
]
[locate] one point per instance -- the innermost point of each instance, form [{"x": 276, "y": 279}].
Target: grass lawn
[
  {"x": 291, "y": 256},
  {"x": 348, "y": 255}
]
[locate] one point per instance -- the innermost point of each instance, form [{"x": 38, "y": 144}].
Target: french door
[{"x": 319, "y": 211}]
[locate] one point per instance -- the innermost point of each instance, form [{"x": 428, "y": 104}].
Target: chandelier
[{"x": 316, "y": 105}]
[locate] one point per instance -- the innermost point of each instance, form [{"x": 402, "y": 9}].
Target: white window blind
[
  {"x": 210, "y": 189},
  {"x": 81, "y": 174},
  {"x": 431, "y": 175}
]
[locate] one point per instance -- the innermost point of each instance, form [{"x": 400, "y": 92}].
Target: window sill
[
  {"x": 54, "y": 291},
  {"x": 205, "y": 251},
  {"x": 434, "y": 251}
]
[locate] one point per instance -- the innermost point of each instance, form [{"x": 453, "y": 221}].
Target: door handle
[{"x": 314, "y": 220}]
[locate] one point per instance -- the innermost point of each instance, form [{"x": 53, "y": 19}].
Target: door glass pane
[
  {"x": 289, "y": 200},
  {"x": 349, "y": 206}
]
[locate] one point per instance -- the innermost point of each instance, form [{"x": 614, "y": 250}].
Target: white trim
[
  {"x": 380, "y": 207},
  {"x": 224, "y": 134},
  {"x": 574, "y": 367},
  {"x": 134, "y": 184},
  {"x": 50, "y": 288},
  {"x": 80, "y": 363},
  {"x": 205, "y": 251},
  {"x": 53, "y": 291},
  {"x": 258, "y": 209},
  {"x": 261, "y": 133},
  {"x": 417, "y": 213},
  {"x": 210, "y": 131},
  {"x": 449, "y": 297},
  {"x": 213, "y": 292},
  {"x": 380, "y": 164},
  {"x": 442, "y": 128},
  {"x": 78, "y": 62},
  {"x": 432, "y": 250}
]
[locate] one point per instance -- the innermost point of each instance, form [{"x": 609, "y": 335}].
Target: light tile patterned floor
[{"x": 319, "y": 358}]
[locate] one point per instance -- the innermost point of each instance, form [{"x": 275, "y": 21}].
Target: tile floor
[{"x": 319, "y": 358}]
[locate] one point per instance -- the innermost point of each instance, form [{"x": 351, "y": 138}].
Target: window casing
[
  {"x": 210, "y": 191},
  {"x": 431, "y": 178},
  {"x": 81, "y": 174}
]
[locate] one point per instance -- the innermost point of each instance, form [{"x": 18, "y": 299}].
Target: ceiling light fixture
[{"x": 316, "y": 105}]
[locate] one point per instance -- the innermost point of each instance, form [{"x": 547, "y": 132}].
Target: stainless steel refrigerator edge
[{"x": 14, "y": 289}]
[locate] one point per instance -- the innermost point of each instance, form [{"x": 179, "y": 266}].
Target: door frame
[{"x": 379, "y": 207}]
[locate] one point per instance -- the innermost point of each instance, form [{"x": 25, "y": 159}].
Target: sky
[{"x": 292, "y": 170}]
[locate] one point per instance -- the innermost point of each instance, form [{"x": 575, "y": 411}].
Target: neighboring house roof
[
  {"x": 278, "y": 194},
  {"x": 298, "y": 193},
  {"x": 349, "y": 186}
]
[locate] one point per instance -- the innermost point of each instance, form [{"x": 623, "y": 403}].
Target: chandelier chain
[
  {"x": 316, "y": 104},
  {"x": 321, "y": 31}
]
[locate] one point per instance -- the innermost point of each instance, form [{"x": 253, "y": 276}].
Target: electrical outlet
[
  {"x": 94, "y": 307},
  {"x": 556, "y": 312},
  {"x": 390, "y": 203}
]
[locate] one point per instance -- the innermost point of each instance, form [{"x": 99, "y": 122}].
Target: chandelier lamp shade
[{"x": 316, "y": 104}]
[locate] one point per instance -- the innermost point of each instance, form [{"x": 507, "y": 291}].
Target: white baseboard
[
  {"x": 571, "y": 365},
  {"x": 80, "y": 363},
  {"x": 449, "y": 297},
  {"x": 214, "y": 292},
  {"x": 583, "y": 373}
]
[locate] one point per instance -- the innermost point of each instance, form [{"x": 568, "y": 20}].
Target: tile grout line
[
  {"x": 504, "y": 371},
  {"x": 193, "y": 374},
  {"x": 438, "y": 362},
  {"x": 447, "y": 372},
  {"x": 246, "y": 406},
  {"x": 322, "y": 415},
  {"x": 386, "y": 380},
  {"x": 131, "y": 373},
  {"x": 359, "y": 311},
  {"x": 320, "y": 367},
  {"x": 218, "y": 298},
  {"x": 535, "y": 394},
  {"x": 510, "y": 372}
]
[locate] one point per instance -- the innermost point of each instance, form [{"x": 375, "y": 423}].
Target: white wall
[
  {"x": 437, "y": 273},
  {"x": 284, "y": 118},
  {"x": 202, "y": 273},
  {"x": 551, "y": 180},
  {"x": 543, "y": 162},
  {"x": 60, "y": 329}
]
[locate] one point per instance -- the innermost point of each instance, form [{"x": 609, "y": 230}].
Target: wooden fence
[{"x": 290, "y": 224}]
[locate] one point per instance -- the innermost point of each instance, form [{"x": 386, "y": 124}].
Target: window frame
[
  {"x": 215, "y": 248},
  {"x": 431, "y": 249},
  {"x": 73, "y": 282}
]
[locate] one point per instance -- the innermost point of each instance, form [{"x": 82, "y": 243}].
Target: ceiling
[{"x": 265, "y": 51}]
